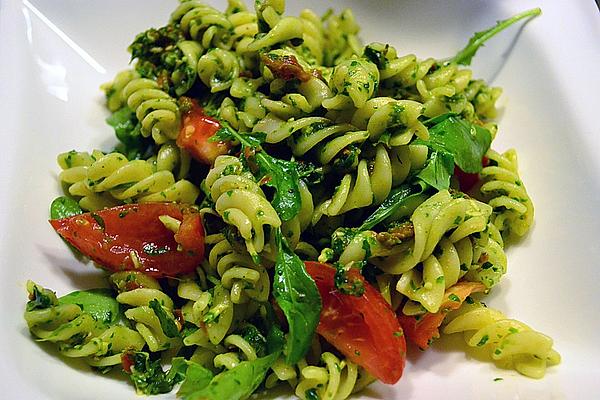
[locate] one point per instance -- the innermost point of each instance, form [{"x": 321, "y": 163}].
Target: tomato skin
[
  {"x": 109, "y": 236},
  {"x": 195, "y": 133},
  {"x": 364, "y": 328},
  {"x": 466, "y": 181},
  {"x": 423, "y": 330}
]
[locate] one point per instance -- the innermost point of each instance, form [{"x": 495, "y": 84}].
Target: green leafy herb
[
  {"x": 311, "y": 394},
  {"x": 128, "y": 130},
  {"x": 275, "y": 336},
  {"x": 438, "y": 170},
  {"x": 483, "y": 341},
  {"x": 167, "y": 322},
  {"x": 465, "y": 56},
  {"x": 299, "y": 299},
  {"x": 399, "y": 197},
  {"x": 148, "y": 376},
  {"x": 346, "y": 284},
  {"x": 237, "y": 383},
  {"x": 466, "y": 142},
  {"x": 165, "y": 55},
  {"x": 197, "y": 378},
  {"x": 99, "y": 303},
  {"x": 454, "y": 297},
  {"x": 341, "y": 238},
  {"x": 64, "y": 207},
  {"x": 279, "y": 174},
  {"x": 99, "y": 220},
  {"x": 377, "y": 57},
  {"x": 256, "y": 339}
]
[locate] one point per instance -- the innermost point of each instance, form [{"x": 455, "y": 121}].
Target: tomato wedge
[
  {"x": 195, "y": 133},
  {"x": 364, "y": 328},
  {"x": 131, "y": 237},
  {"x": 423, "y": 330},
  {"x": 466, "y": 181}
]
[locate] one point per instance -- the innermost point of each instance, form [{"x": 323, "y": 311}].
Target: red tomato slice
[
  {"x": 466, "y": 181},
  {"x": 195, "y": 133},
  {"x": 111, "y": 236},
  {"x": 423, "y": 330},
  {"x": 365, "y": 328}
]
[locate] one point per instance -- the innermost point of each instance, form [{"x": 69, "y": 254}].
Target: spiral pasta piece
[
  {"x": 313, "y": 37},
  {"x": 509, "y": 341},
  {"x": 76, "y": 332},
  {"x": 102, "y": 180},
  {"x": 211, "y": 311},
  {"x": 240, "y": 202},
  {"x": 503, "y": 189},
  {"x": 287, "y": 28},
  {"x": 440, "y": 87},
  {"x": 244, "y": 115},
  {"x": 184, "y": 78},
  {"x": 398, "y": 119},
  {"x": 311, "y": 91},
  {"x": 371, "y": 185},
  {"x": 156, "y": 110},
  {"x": 238, "y": 272},
  {"x": 341, "y": 37},
  {"x": 151, "y": 311},
  {"x": 218, "y": 68},
  {"x": 353, "y": 82},
  {"x": 243, "y": 22},
  {"x": 334, "y": 381},
  {"x": 204, "y": 24},
  {"x": 114, "y": 89}
]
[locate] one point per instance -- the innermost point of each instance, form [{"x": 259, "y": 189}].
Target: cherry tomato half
[
  {"x": 364, "y": 328},
  {"x": 423, "y": 330},
  {"x": 195, "y": 133},
  {"x": 131, "y": 237},
  {"x": 466, "y": 181}
]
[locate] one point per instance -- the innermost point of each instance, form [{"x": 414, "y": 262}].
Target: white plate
[{"x": 55, "y": 53}]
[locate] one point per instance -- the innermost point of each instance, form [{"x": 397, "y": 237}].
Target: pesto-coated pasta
[
  {"x": 103, "y": 180},
  {"x": 503, "y": 189},
  {"x": 509, "y": 341},
  {"x": 329, "y": 195}
]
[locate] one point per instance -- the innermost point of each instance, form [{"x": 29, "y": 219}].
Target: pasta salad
[{"x": 287, "y": 206}]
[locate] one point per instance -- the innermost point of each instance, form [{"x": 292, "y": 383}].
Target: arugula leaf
[
  {"x": 438, "y": 170},
  {"x": 237, "y": 383},
  {"x": 397, "y": 198},
  {"x": 64, "y": 207},
  {"x": 149, "y": 377},
  {"x": 297, "y": 295},
  {"x": 128, "y": 131},
  {"x": 99, "y": 303},
  {"x": 465, "y": 56},
  {"x": 252, "y": 335},
  {"x": 196, "y": 378},
  {"x": 167, "y": 323},
  {"x": 466, "y": 142},
  {"x": 279, "y": 174},
  {"x": 270, "y": 324}
]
